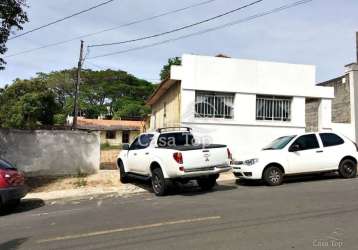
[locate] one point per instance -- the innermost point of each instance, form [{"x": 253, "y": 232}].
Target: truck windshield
[
  {"x": 175, "y": 139},
  {"x": 279, "y": 143}
]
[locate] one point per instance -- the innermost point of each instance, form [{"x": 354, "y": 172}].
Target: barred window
[
  {"x": 214, "y": 105},
  {"x": 274, "y": 108},
  {"x": 110, "y": 134}
]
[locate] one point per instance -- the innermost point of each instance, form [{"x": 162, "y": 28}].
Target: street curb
[{"x": 104, "y": 195}]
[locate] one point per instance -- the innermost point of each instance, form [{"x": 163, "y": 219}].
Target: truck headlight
[{"x": 251, "y": 161}]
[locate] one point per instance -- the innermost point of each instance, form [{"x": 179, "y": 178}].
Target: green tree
[
  {"x": 165, "y": 72},
  {"x": 130, "y": 108},
  {"x": 12, "y": 16},
  {"x": 110, "y": 93},
  {"x": 27, "y": 104}
]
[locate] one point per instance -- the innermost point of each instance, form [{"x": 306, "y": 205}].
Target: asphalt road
[{"x": 308, "y": 213}]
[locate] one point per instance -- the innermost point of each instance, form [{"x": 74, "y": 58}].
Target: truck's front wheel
[
  {"x": 159, "y": 183},
  {"x": 207, "y": 183},
  {"x": 122, "y": 173}
]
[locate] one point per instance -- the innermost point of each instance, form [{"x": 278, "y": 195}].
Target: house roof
[
  {"x": 160, "y": 90},
  {"x": 327, "y": 83},
  {"x": 96, "y": 124}
]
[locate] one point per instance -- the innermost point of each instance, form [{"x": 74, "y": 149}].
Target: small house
[{"x": 112, "y": 132}]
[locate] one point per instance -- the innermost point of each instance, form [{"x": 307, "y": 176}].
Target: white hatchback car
[{"x": 296, "y": 154}]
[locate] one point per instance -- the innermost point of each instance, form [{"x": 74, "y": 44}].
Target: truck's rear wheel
[
  {"x": 159, "y": 183},
  {"x": 124, "y": 178},
  {"x": 207, "y": 183}
]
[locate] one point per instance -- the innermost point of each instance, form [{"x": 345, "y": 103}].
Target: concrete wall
[
  {"x": 43, "y": 152},
  {"x": 344, "y": 109},
  {"x": 341, "y": 104},
  {"x": 118, "y": 140},
  {"x": 312, "y": 107},
  {"x": 170, "y": 102}
]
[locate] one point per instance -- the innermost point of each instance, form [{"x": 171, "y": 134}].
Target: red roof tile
[{"x": 97, "y": 124}]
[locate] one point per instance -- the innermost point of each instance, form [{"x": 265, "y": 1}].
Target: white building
[{"x": 242, "y": 103}]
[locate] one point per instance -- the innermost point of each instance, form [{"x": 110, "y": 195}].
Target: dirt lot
[{"x": 103, "y": 179}]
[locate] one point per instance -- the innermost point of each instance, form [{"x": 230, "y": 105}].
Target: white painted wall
[
  {"x": 346, "y": 129},
  {"x": 325, "y": 114},
  {"x": 246, "y": 78},
  {"x": 249, "y": 76},
  {"x": 352, "y": 70},
  {"x": 243, "y": 134}
]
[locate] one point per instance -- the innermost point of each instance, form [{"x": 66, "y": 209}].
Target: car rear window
[
  {"x": 6, "y": 165},
  {"x": 329, "y": 139},
  {"x": 175, "y": 139}
]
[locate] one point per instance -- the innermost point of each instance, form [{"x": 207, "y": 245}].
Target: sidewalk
[{"x": 89, "y": 192}]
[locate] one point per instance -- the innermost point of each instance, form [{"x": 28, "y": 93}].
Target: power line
[
  {"x": 103, "y": 68},
  {"x": 62, "y": 19},
  {"x": 278, "y": 9},
  {"x": 113, "y": 28},
  {"x": 178, "y": 29}
]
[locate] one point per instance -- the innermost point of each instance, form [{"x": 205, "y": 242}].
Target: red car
[{"x": 12, "y": 184}]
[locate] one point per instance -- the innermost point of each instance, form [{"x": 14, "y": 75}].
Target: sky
[{"x": 320, "y": 33}]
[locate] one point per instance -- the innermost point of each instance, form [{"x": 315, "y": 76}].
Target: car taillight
[
  {"x": 178, "y": 157},
  {"x": 4, "y": 179},
  {"x": 229, "y": 155}
]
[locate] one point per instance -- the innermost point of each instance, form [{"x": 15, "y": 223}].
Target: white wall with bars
[
  {"x": 273, "y": 108},
  {"x": 243, "y": 133},
  {"x": 214, "y": 105}
]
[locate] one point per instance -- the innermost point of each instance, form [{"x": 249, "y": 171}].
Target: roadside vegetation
[
  {"x": 107, "y": 146},
  {"x": 47, "y": 99}
]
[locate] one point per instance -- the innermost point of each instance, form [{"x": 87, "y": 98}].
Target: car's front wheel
[
  {"x": 159, "y": 183},
  {"x": 348, "y": 169},
  {"x": 273, "y": 176}
]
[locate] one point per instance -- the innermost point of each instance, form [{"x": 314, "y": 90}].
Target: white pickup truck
[{"x": 171, "y": 154}]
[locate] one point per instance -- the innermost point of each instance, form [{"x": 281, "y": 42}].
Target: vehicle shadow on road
[
  {"x": 189, "y": 189},
  {"x": 192, "y": 189},
  {"x": 24, "y": 206},
  {"x": 12, "y": 244},
  {"x": 291, "y": 179},
  {"x": 143, "y": 184}
]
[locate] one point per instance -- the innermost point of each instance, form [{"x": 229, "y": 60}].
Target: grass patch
[
  {"x": 81, "y": 180},
  {"x": 107, "y": 146}
]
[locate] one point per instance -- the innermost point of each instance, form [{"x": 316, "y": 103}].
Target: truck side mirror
[
  {"x": 295, "y": 147},
  {"x": 125, "y": 146}
]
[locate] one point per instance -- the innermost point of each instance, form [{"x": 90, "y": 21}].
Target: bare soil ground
[{"x": 103, "y": 179}]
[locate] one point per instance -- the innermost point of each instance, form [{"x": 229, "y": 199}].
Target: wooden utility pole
[{"x": 77, "y": 90}]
